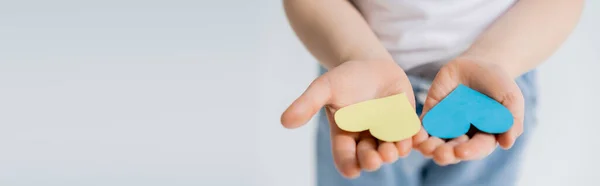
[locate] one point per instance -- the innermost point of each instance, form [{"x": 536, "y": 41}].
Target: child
[{"x": 377, "y": 48}]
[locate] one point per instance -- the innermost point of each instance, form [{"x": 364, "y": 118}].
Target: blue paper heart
[{"x": 453, "y": 116}]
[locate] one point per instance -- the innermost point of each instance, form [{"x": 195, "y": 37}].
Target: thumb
[
  {"x": 308, "y": 104},
  {"x": 440, "y": 88}
]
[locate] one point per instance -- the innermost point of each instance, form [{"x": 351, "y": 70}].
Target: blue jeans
[{"x": 500, "y": 168}]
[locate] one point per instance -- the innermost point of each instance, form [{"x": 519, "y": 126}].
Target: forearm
[
  {"x": 526, "y": 35},
  {"x": 333, "y": 31}
]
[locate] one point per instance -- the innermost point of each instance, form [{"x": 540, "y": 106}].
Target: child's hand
[
  {"x": 488, "y": 79},
  {"x": 349, "y": 83}
]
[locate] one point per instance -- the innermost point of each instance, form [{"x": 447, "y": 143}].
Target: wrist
[
  {"x": 358, "y": 54},
  {"x": 510, "y": 69}
]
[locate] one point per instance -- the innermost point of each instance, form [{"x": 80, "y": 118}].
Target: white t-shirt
[{"x": 418, "y": 32}]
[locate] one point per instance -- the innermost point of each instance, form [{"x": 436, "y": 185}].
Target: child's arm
[
  {"x": 334, "y": 31},
  {"x": 359, "y": 69},
  {"x": 527, "y": 34},
  {"x": 517, "y": 42}
]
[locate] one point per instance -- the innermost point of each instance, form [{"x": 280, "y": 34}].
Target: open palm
[
  {"x": 488, "y": 79},
  {"x": 349, "y": 83}
]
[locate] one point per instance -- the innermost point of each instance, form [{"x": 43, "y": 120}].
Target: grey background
[{"x": 180, "y": 92}]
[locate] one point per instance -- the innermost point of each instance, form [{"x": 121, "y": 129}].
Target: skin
[
  {"x": 360, "y": 69},
  {"x": 511, "y": 46}
]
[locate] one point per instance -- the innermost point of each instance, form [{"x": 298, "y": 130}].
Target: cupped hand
[
  {"x": 349, "y": 83},
  {"x": 489, "y": 79}
]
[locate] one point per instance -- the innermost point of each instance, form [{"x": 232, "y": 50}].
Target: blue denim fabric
[{"x": 500, "y": 168}]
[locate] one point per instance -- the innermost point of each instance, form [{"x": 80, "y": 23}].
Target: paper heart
[
  {"x": 389, "y": 119},
  {"x": 463, "y": 107}
]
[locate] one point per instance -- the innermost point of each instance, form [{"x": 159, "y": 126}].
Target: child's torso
[{"x": 418, "y": 32}]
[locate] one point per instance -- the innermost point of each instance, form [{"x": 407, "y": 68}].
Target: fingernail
[
  {"x": 350, "y": 171},
  {"x": 466, "y": 154},
  {"x": 404, "y": 155},
  {"x": 507, "y": 147}
]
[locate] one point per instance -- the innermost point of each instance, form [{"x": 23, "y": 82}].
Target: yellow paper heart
[{"x": 389, "y": 119}]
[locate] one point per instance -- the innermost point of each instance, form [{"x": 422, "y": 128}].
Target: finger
[
  {"x": 444, "y": 154},
  {"x": 443, "y": 83},
  {"x": 344, "y": 155},
  {"x": 478, "y": 147},
  {"x": 335, "y": 130},
  {"x": 507, "y": 139},
  {"x": 343, "y": 146},
  {"x": 387, "y": 152},
  {"x": 426, "y": 148},
  {"x": 403, "y": 147},
  {"x": 516, "y": 105},
  {"x": 420, "y": 137},
  {"x": 509, "y": 95},
  {"x": 308, "y": 104},
  {"x": 368, "y": 158}
]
